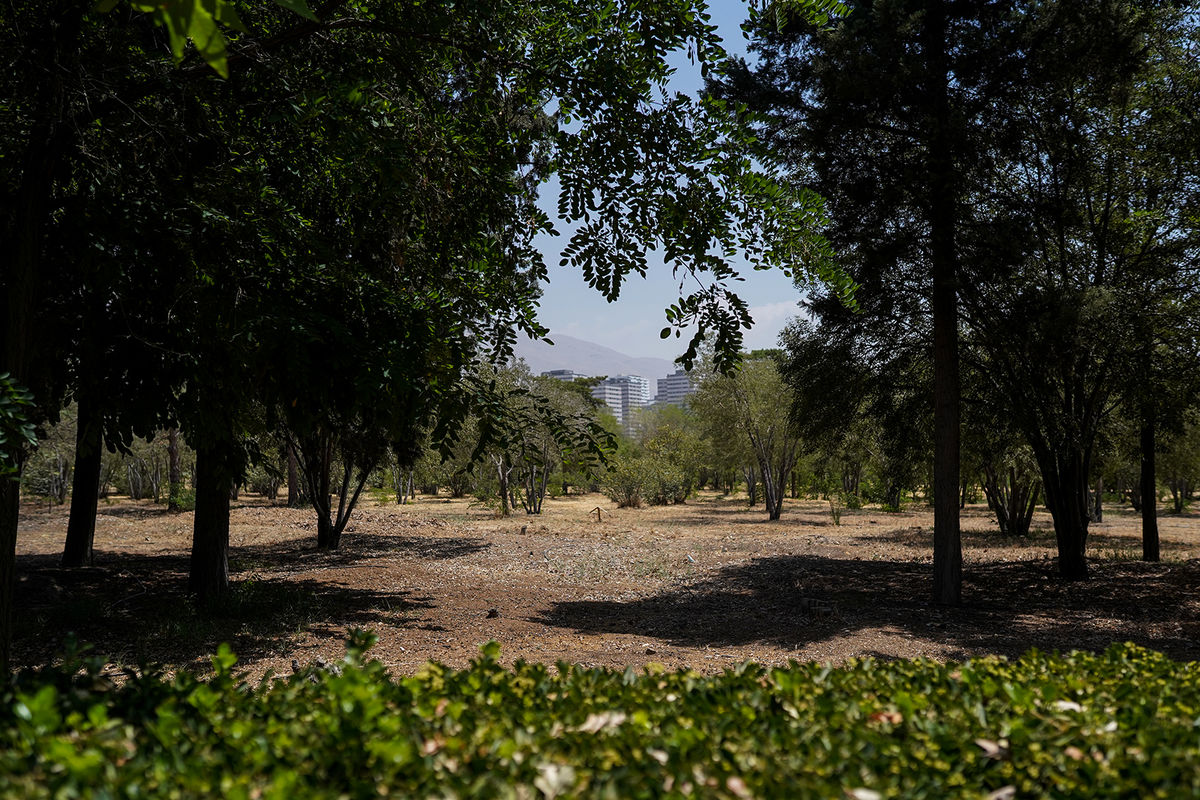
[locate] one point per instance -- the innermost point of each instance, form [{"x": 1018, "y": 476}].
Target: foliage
[
  {"x": 1116, "y": 724},
  {"x": 199, "y": 22},
  {"x": 625, "y": 482},
  {"x": 1071, "y": 214},
  {"x": 1180, "y": 463},
  {"x": 753, "y": 405},
  {"x": 16, "y": 431}
]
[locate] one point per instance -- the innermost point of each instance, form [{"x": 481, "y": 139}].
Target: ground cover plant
[{"x": 1120, "y": 723}]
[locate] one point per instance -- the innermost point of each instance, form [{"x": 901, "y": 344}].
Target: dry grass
[{"x": 705, "y": 585}]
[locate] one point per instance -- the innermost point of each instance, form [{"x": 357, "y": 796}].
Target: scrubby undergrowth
[{"x": 1126, "y": 722}]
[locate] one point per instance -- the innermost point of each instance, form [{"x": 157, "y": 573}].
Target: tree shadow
[
  {"x": 921, "y": 539},
  {"x": 302, "y": 554},
  {"x": 126, "y": 510},
  {"x": 796, "y": 600},
  {"x": 136, "y": 609}
]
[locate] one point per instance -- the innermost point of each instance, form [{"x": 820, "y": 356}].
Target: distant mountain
[{"x": 588, "y": 358}]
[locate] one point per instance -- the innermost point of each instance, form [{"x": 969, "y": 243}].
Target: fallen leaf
[
  {"x": 737, "y": 786},
  {"x": 554, "y": 779},
  {"x": 997, "y": 750},
  {"x": 864, "y": 794},
  {"x": 598, "y": 722}
]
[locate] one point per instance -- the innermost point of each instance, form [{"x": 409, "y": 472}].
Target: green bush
[
  {"x": 624, "y": 483},
  {"x": 1120, "y": 724}
]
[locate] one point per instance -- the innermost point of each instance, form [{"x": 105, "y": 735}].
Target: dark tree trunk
[
  {"x": 1134, "y": 496},
  {"x": 328, "y": 537},
  {"x": 1012, "y": 502},
  {"x": 315, "y": 454},
  {"x": 947, "y": 540},
  {"x": 85, "y": 487},
  {"x": 42, "y": 165},
  {"x": 10, "y": 507},
  {"x": 174, "y": 472},
  {"x": 209, "y": 578},
  {"x": 1098, "y": 501},
  {"x": 295, "y": 492},
  {"x": 892, "y": 500},
  {"x": 1066, "y": 486},
  {"x": 1150, "y": 550}
]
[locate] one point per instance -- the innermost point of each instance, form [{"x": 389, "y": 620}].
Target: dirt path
[{"x": 704, "y": 585}]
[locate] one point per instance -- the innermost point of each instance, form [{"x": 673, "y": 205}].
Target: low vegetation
[{"x": 1121, "y": 723}]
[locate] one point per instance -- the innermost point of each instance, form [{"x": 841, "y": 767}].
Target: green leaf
[{"x": 298, "y": 6}]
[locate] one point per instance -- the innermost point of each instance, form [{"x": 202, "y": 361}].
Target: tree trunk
[
  {"x": 997, "y": 498},
  {"x": 174, "y": 472},
  {"x": 1098, "y": 501},
  {"x": 1150, "y": 550},
  {"x": 1066, "y": 496},
  {"x": 502, "y": 473},
  {"x": 295, "y": 492},
  {"x": 328, "y": 538},
  {"x": 10, "y": 507},
  {"x": 771, "y": 492},
  {"x": 85, "y": 487},
  {"x": 209, "y": 578},
  {"x": 42, "y": 165},
  {"x": 947, "y": 540},
  {"x": 751, "y": 476}
]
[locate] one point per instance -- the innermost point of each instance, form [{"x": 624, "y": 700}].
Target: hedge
[{"x": 1122, "y": 723}]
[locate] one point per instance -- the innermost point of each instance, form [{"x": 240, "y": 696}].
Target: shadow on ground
[
  {"x": 135, "y": 608},
  {"x": 791, "y": 601}
]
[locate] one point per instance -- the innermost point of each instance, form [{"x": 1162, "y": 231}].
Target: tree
[
  {"x": 886, "y": 423},
  {"x": 757, "y": 402},
  {"x": 875, "y": 112},
  {"x": 1181, "y": 461},
  {"x": 436, "y": 143},
  {"x": 1094, "y": 204},
  {"x": 1057, "y": 180}
]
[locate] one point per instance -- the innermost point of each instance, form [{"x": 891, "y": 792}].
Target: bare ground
[{"x": 703, "y": 585}]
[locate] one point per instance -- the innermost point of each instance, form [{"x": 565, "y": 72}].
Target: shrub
[
  {"x": 624, "y": 483},
  {"x": 1120, "y": 724}
]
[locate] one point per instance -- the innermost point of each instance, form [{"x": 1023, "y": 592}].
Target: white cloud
[{"x": 774, "y": 314}]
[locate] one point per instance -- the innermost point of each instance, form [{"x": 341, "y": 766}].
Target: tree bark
[
  {"x": 174, "y": 472},
  {"x": 947, "y": 539},
  {"x": 1150, "y": 549},
  {"x": 751, "y": 476},
  {"x": 1066, "y": 485},
  {"x": 295, "y": 492},
  {"x": 85, "y": 487},
  {"x": 10, "y": 507},
  {"x": 209, "y": 578}
]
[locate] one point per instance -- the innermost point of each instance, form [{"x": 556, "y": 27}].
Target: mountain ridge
[{"x": 588, "y": 358}]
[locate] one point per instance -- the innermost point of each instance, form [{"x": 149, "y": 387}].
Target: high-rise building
[
  {"x": 624, "y": 394},
  {"x": 674, "y": 389},
  {"x": 564, "y": 374}
]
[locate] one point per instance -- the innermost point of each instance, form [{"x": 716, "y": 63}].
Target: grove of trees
[
  {"x": 320, "y": 221},
  {"x": 1013, "y": 186},
  {"x": 256, "y": 241}
]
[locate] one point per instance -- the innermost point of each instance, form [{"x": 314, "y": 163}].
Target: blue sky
[{"x": 631, "y": 325}]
